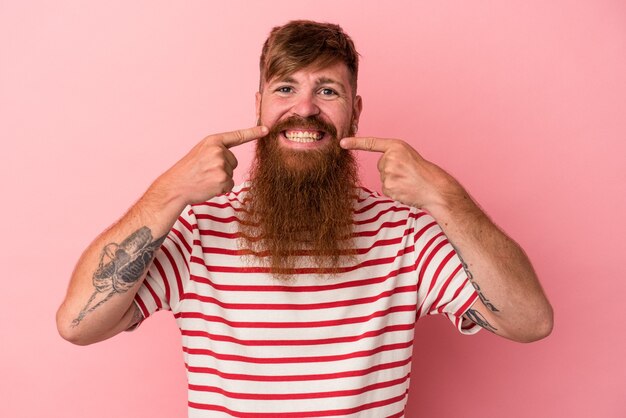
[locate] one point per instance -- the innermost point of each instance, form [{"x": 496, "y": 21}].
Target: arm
[
  {"x": 99, "y": 300},
  {"x": 512, "y": 303}
]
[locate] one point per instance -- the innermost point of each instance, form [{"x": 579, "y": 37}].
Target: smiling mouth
[{"x": 303, "y": 136}]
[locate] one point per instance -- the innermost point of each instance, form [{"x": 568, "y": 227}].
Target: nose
[{"x": 305, "y": 105}]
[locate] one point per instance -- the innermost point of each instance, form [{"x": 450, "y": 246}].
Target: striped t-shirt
[{"x": 315, "y": 345}]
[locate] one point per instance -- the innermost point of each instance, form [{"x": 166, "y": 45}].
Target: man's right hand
[
  {"x": 93, "y": 310},
  {"x": 207, "y": 170}
]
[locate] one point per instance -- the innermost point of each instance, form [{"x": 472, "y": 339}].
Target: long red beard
[{"x": 299, "y": 209}]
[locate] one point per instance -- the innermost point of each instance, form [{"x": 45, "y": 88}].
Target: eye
[
  {"x": 328, "y": 92},
  {"x": 284, "y": 89}
]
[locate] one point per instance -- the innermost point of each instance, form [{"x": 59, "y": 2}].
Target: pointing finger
[
  {"x": 366, "y": 144},
  {"x": 234, "y": 138}
]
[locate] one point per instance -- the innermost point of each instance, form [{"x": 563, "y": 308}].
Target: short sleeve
[
  {"x": 165, "y": 281},
  {"x": 443, "y": 285}
]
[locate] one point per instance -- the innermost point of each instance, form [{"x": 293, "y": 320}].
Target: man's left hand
[
  {"x": 512, "y": 303},
  {"x": 405, "y": 175}
]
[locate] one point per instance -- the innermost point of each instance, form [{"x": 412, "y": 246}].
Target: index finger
[
  {"x": 234, "y": 138},
  {"x": 365, "y": 143}
]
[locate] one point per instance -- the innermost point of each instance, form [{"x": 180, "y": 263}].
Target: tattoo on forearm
[
  {"x": 121, "y": 265},
  {"x": 470, "y": 277},
  {"x": 477, "y": 318},
  {"x": 482, "y": 297}
]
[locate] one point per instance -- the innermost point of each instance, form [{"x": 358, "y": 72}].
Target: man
[{"x": 297, "y": 292}]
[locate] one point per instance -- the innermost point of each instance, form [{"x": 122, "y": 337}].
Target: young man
[{"x": 297, "y": 292}]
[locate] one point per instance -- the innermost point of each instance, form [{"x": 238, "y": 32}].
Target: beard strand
[{"x": 299, "y": 209}]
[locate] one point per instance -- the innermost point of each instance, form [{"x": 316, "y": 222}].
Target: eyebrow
[
  {"x": 327, "y": 80},
  {"x": 286, "y": 79}
]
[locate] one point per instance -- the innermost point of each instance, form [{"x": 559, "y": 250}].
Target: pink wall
[{"x": 525, "y": 102}]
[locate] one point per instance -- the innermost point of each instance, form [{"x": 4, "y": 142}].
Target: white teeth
[{"x": 306, "y": 136}]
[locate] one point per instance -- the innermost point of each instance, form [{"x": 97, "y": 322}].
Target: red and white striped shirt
[{"x": 316, "y": 346}]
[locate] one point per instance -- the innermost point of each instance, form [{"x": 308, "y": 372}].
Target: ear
[
  {"x": 357, "y": 107},
  {"x": 257, "y": 99}
]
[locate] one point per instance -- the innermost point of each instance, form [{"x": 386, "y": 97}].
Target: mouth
[{"x": 303, "y": 136}]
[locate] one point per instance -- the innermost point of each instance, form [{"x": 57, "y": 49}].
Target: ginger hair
[{"x": 303, "y": 43}]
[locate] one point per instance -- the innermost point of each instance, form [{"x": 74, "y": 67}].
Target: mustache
[{"x": 313, "y": 122}]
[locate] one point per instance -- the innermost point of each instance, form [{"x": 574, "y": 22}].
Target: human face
[{"x": 325, "y": 93}]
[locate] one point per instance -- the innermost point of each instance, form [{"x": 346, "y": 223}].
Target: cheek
[
  {"x": 341, "y": 115},
  {"x": 344, "y": 125},
  {"x": 269, "y": 115}
]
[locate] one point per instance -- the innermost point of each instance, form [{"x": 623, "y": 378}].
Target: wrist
[
  {"x": 163, "y": 200},
  {"x": 450, "y": 199}
]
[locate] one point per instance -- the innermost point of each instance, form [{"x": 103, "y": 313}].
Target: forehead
[{"x": 336, "y": 73}]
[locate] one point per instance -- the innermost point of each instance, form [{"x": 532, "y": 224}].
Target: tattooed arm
[
  {"x": 512, "y": 303},
  {"x": 99, "y": 300}
]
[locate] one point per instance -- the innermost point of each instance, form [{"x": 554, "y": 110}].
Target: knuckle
[
  {"x": 222, "y": 176},
  {"x": 218, "y": 167},
  {"x": 239, "y": 136},
  {"x": 210, "y": 140}
]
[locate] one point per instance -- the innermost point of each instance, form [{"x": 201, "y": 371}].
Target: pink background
[{"x": 523, "y": 101}]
